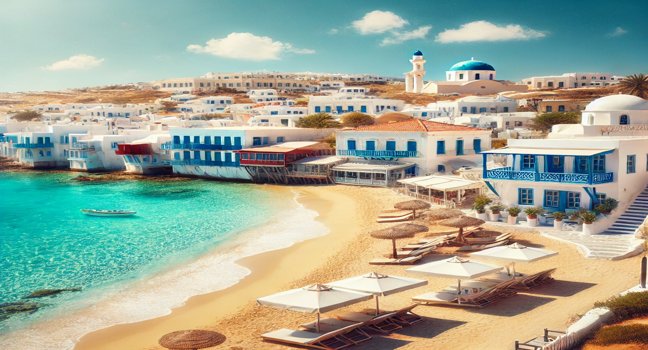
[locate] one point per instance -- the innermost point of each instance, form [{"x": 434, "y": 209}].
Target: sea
[{"x": 185, "y": 240}]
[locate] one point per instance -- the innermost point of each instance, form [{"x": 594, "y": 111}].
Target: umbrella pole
[
  {"x": 513, "y": 268},
  {"x": 377, "y": 307},
  {"x": 317, "y": 324},
  {"x": 394, "y": 254},
  {"x": 458, "y": 291}
]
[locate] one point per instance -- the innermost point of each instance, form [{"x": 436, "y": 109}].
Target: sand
[{"x": 349, "y": 213}]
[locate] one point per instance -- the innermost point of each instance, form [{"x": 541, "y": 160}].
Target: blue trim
[{"x": 492, "y": 188}]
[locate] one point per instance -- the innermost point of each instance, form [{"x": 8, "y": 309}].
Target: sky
[{"x": 56, "y": 44}]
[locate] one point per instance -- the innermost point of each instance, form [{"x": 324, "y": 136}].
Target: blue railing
[
  {"x": 34, "y": 145},
  {"x": 377, "y": 154},
  {"x": 199, "y": 146},
  {"x": 203, "y": 162},
  {"x": 506, "y": 173}
]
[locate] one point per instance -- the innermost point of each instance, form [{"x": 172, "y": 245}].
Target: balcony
[
  {"x": 377, "y": 154},
  {"x": 199, "y": 146},
  {"x": 34, "y": 145},
  {"x": 200, "y": 162},
  {"x": 81, "y": 147},
  {"x": 506, "y": 173},
  {"x": 359, "y": 181}
]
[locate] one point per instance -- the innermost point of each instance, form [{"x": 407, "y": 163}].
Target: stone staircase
[
  {"x": 632, "y": 218},
  {"x": 611, "y": 247}
]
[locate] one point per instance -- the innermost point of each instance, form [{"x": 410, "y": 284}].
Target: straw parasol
[
  {"x": 461, "y": 222},
  {"x": 412, "y": 205},
  {"x": 442, "y": 214},
  {"x": 405, "y": 230},
  {"x": 191, "y": 339}
]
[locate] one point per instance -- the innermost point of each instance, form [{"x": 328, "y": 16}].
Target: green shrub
[
  {"x": 514, "y": 211},
  {"x": 480, "y": 203},
  {"x": 318, "y": 121},
  {"x": 619, "y": 334},
  {"x": 627, "y": 306},
  {"x": 559, "y": 216},
  {"x": 588, "y": 217},
  {"x": 533, "y": 212},
  {"x": 606, "y": 206},
  {"x": 496, "y": 208}
]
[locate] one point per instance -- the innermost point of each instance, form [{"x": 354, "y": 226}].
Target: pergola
[
  {"x": 423, "y": 186},
  {"x": 370, "y": 173}
]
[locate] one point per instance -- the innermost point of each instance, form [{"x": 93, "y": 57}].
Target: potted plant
[
  {"x": 558, "y": 220},
  {"x": 588, "y": 218},
  {"x": 513, "y": 213},
  {"x": 606, "y": 206},
  {"x": 532, "y": 215},
  {"x": 495, "y": 211},
  {"x": 480, "y": 204}
]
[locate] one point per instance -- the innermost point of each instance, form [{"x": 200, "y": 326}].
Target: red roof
[{"x": 416, "y": 125}]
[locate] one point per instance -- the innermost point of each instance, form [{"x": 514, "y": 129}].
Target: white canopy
[
  {"x": 314, "y": 298},
  {"x": 548, "y": 151},
  {"x": 515, "y": 252},
  {"x": 456, "y": 267},
  {"x": 442, "y": 183},
  {"x": 378, "y": 284}
]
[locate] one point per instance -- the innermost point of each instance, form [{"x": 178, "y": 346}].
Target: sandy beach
[{"x": 349, "y": 213}]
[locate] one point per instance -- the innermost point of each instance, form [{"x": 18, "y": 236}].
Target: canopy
[
  {"x": 515, "y": 252},
  {"x": 456, "y": 267},
  {"x": 548, "y": 151},
  {"x": 314, "y": 298},
  {"x": 442, "y": 183}
]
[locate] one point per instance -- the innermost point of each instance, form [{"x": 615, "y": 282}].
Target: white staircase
[
  {"x": 632, "y": 218},
  {"x": 612, "y": 247}
]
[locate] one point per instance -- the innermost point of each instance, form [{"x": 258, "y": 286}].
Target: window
[
  {"x": 460, "y": 75},
  {"x": 280, "y": 139},
  {"x": 525, "y": 196},
  {"x": 552, "y": 199},
  {"x": 477, "y": 145},
  {"x": 528, "y": 162},
  {"x": 600, "y": 197},
  {"x": 631, "y": 164},
  {"x": 318, "y": 109},
  {"x": 561, "y": 84},
  {"x": 561, "y": 108},
  {"x": 266, "y": 140},
  {"x": 460, "y": 147},
  {"x": 477, "y": 76},
  {"x": 351, "y": 145},
  {"x": 113, "y": 145},
  {"x": 549, "y": 109},
  {"x": 573, "y": 200},
  {"x": 440, "y": 147},
  {"x": 411, "y": 146},
  {"x": 623, "y": 120},
  {"x": 256, "y": 141},
  {"x": 580, "y": 165},
  {"x": 208, "y": 140},
  {"x": 390, "y": 145},
  {"x": 464, "y": 109},
  {"x": 598, "y": 164},
  {"x": 370, "y": 145},
  {"x": 441, "y": 168}
]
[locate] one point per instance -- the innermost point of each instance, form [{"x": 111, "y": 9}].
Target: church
[{"x": 470, "y": 77}]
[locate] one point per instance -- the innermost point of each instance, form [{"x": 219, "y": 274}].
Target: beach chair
[
  {"x": 438, "y": 241},
  {"x": 539, "y": 343},
  {"x": 355, "y": 335},
  {"x": 538, "y": 279},
  {"x": 395, "y": 218},
  {"x": 487, "y": 240},
  {"x": 327, "y": 341},
  {"x": 476, "y": 247},
  {"x": 449, "y": 297},
  {"x": 393, "y": 213},
  {"x": 425, "y": 250},
  {"x": 396, "y": 261},
  {"x": 406, "y": 317},
  {"x": 382, "y": 323}
]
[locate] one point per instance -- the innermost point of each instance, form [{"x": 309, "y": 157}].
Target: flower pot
[
  {"x": 482, "y": 216},
  {"x": 511, "y": 219},
  {"x": 557, "y": 225},
  {"x": 494, "y": 216},
  {"x": 532, "y": 222},
  {"x": 587, "y": 229}
]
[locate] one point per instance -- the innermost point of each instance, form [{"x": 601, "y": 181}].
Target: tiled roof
[{"x": 416, "y": 125}]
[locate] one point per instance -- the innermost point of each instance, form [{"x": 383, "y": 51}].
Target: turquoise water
[{"x": 46, "y": 242}]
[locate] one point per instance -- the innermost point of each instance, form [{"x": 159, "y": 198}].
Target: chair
[
  {"x": 396, "y": 261},
  {"x": 406, "y": 317},
  {"x": 476, "y": 247},
  {"x": 330, "y": 340},
  {"x": 480, "y": 299},
  {"x": 423, "y": 251},
  {"x": 382, "y": 323},
  {"x": 395, "y": 218}
]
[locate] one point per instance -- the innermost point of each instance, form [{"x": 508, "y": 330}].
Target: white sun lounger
[
  {"x": 392, "y": 261},
  {"x": 326, "y": 341},
  {"x": 395, "y": 218}
]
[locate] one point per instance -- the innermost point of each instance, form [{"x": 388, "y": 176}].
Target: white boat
[{"x": 98, "y": 212}]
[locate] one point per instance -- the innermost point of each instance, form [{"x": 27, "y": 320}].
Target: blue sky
[{"x": 56, "y": 44}]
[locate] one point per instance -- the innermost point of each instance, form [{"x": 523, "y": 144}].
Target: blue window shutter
[
  {"x": 391, "y": 145},
  {"x": 351, "y": 145},
  {"x": 440, "y": 147},
  {"x": 477, "y": 145},
  {"x": 318, "y": 109},
  {"x": 460, "y": 147},
  {"x": 411, "y": 146}
]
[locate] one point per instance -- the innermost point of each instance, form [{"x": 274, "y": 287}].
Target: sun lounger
[
  {"x": 476, "y": 247},
  {"x": 531, "y": 281},
  {"x": 405, "y": 316},
  {"x": 539, "y": 343},
  {"x": 395, "y": 218},
  {"x": 440, "y": 240},
  {"x": 418, "y": 252},
  {"x": 355, "y": 335},
  {"x": 394, "y": 213},
  {"x": 396, "y": 261},
  {"x": 326, "y": 341},
  {"x": 480, "y": 299},
  {"x": 487, "y": 240}
]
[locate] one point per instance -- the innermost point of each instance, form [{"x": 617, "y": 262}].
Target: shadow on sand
[
  {"x": 514, "y": 305},
  {"x": 428, "y": 328},
  {"x": 561, "y": 288}
]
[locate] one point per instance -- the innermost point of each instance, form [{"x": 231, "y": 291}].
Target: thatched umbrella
[
  {"x": 412, "y": 205},
  {"x": 405, "y": 230},
  {"x": 460, "y": 222},
  {"x": 191, "y": 339},
  {"x": 443, "y": 213}
]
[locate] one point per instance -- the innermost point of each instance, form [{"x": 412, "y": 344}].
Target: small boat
[{"x": 113, "y": 213}]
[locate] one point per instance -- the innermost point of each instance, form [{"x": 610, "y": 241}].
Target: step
[{"x": 629, "y": 220}]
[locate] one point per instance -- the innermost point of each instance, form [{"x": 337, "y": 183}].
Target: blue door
[
  {"x": 370, "y": 145},
  {"x": 555, "y": 164},
  {"x": 228, "y": 158},
  {"x": 411, "y": 146},
  {"x": 351, "y": 145},
  {"x": 390, "y": 145},
  {"x": 477, "y": 145},
  {"x": 237, "y": 143},
  {"x": 39, "y": 140},
  {"x": 228, "y": 141},
  {"x": 363, "y": 109},
  {"x": 176, "y": 140},
  {"x": 460, "y": 147}
]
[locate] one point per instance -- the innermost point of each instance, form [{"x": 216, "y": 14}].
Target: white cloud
[
  {"x": 78, "y": 62},
  {"x": 333, "y": 31},
  {"x": 247, "y": 46},
  {"x": 487, "y": 31},
  {"x": 377, "y": 22},
  {"x": 618, "y": 31},
  {"x": 399, "y": 37}
]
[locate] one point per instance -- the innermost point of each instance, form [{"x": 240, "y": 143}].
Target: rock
[
  {"x": 49, "y": 292},
  {"x": 8, "y": 309}
]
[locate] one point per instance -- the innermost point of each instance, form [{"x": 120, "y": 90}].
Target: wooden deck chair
[
  {"x": 399, "y": 261},
  {"x": 406, "y": 317},
  {"x": 326, "y": 341},
  {"x": 395, "y": 218}
]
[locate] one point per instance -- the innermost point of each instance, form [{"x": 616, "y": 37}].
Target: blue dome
[
  {"x": 418, "y": 53},
  {"x": 472, "y": 65}
]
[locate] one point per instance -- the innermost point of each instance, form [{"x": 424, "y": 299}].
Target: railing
[
  {"x": 378, "y": 154},
  {"x": 81, "y": 146},
  {"x": 359, "y": 181},
  {"x": 199, "y": 146},
  {"x": 506, "y": 173},
  {"x": 34, "y": 145},
  {"x": 203, "y": 162}
]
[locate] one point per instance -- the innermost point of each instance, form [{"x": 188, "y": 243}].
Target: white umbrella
[
  {"x": 461, "y": 269},
  {"x": 378, "y": 285},
  {"x": 316, "y": 298},
  {"x": 515, "y": 252}
]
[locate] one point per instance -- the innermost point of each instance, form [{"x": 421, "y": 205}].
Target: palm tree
[{"x": 636, "y": 84}]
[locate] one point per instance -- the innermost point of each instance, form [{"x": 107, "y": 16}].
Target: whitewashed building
[
  {"x": 145, "y": 156},
  {"x": 209, "y": 104},
  {"x": 571, "y": 80},
  {"x": 352, "y": 99},
  {"x": 98, "y": 152}
]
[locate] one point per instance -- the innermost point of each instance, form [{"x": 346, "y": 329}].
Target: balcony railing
[
  {"x": 34, "y": 145},
  {"x": 199, "y": 146},
  {"x": 359, "y": 181},
  {"x": 203, "y": 162},
  {"x": 377, "y": 154},
  {"x": 506, "y": 173},
  {"x": 82, "y": 146}
]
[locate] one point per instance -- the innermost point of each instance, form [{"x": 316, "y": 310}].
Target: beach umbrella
[
  {"x": 378, "y": 285},
  {"x": 316, "y": 298},
  {"x": 515, "y": 252},
  {"x": 412, "y": 205},
  {"x": 405, "y": 230},
  {"x": 456, "y": 267},
  {"x": 461, "y": 222},
  {"x": 191, "y": 339},
  {"x": 442, "y": 214}
]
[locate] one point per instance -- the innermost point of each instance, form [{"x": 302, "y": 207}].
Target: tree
[
  {"x": 169, "y": 106},
  {"x": 26, "y": 116},
  {"x": 545, "y": 121},
  {"x": 356, "y": 119},
  {"x": 318, "y": 121},
  {"x": 635, "y": 84}
]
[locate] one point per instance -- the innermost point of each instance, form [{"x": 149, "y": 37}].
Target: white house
[
  {"x": 210, "y": 104},
  {"x": 352, "y": 99},
  {"x": 261, "y": 95},
  {"x": 146, "y": 156},
  {"x": 98, "y": 152},
  {"x": 571, "y": 80}
]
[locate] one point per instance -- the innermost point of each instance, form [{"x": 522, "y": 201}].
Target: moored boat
[{"x": 100, "y": 212}]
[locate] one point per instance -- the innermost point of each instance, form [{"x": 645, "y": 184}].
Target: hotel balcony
[
  {"x": 81, "y": 147},
  {"x": 199, "y": 146},
  {"x": 378, "y": 154},
  {"x": 507, "y": 173},
  {"x": 201, "y": 162},
  {"x": 34, "y": 145}
]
